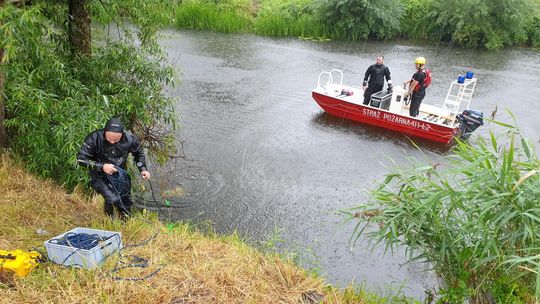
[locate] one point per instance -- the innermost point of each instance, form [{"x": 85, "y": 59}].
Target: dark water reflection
[{"x": 261, "y": 154}]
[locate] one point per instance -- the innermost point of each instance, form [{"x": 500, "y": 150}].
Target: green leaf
[{"x": 537, "y": 283}]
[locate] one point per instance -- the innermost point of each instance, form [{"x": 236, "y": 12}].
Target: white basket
[{"x": 71, "y": 256}]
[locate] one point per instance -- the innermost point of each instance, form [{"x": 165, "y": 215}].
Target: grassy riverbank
[
  {"x": 196, "y": 267},
  {"x": 482, "y": 24}
]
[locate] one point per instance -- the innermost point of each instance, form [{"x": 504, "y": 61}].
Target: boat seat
[
  {"x": 436, "y": 111},
  {"x": 432, "y": 118},
  {"x": 332, "y": 90}
]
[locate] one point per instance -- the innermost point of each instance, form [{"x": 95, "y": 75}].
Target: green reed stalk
[
  {"x": 208, "y": 16},
  {"x": 474, "y": 218},
  {"x": 283, "y": 25}
]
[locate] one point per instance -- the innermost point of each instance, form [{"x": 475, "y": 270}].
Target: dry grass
[{"x": 196, "y": 267}]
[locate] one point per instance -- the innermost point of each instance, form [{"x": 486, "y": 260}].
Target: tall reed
[
  {"x": 473, "y": 218},
  {"x": 283, "y": 25},
  {"x": 208, "y": 16}
]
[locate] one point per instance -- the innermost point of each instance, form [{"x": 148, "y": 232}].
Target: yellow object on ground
[{"x": 18, "y": 261}]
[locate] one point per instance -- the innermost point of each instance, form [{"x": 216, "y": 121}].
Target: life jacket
[{"x": 427, "y": 81}]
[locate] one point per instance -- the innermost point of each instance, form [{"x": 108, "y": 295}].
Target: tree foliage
[
  {"x": 416, "y": 22},
  {"x": 533, "y": 30},
  {"x": 492, "y": 24},
  {"x": 468, "y": 218},
  {"x": 54, "y": 99},
  {"x": 361, "y": 19}
]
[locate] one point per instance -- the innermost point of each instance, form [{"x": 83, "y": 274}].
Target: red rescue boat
[{"x": 389, "y": 110}]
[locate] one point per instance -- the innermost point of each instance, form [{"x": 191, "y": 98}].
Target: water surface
[{"x": 261, "y": 156}]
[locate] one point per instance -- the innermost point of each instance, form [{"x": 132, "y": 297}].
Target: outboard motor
[{"x": 469, "y": 121}]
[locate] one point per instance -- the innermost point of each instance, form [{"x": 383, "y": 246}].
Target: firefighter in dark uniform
[
  {"x": 374, "y": 79},
  {"x": 105, "y": 153},
  {"x": 417, "y": 88}
]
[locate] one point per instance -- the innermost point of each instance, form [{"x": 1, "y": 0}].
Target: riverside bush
[
  {"x": 361, "y": 19},
  {"x": 482, "y": 23},
  {"x": 533, "y": 31},
  {"x": 475, "y": 222},
  {"x": 416, "y": 22},
  {"x": 292, "y": 18},
  {"x": 54, "y": 99}
]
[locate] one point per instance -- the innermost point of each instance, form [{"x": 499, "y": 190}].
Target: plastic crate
[
  {"x": 381, "y": 99},
  {"x": 85, "y": 258}
]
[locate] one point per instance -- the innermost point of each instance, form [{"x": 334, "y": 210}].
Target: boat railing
[
  {"x": 330, "y": 79},
  {"x": 459, "y": 93}
]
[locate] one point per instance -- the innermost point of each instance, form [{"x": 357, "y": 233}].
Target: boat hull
[{"x": 385, "y": 119}]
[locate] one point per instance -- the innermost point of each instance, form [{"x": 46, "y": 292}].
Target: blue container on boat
[
  {"x": 469, "y": 75},
  {"x": 461, "y": 79}
]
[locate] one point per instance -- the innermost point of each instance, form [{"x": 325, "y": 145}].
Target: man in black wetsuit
[
  {"x": 105, "y": 153},
  {"x": 374, "y": 79}
]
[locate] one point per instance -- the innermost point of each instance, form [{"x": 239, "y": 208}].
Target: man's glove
[{"x": 390, "y": 88}]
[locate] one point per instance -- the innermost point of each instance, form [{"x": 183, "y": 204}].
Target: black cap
[{"x": 114, "y": 125}]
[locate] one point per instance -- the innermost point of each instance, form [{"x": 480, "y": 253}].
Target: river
[{"x": 262, "y": 158}]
